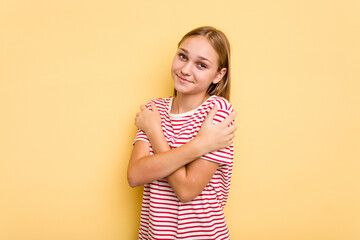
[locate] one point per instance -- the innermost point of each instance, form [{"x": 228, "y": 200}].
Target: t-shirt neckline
[{"x": 191, "y": 112}]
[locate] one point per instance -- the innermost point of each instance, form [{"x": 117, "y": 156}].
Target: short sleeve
[
  {"x": 140, "y": 135},
  {"x": 225, "y": 155}
]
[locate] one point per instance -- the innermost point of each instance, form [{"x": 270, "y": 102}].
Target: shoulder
[
  {"x": 222, "y": 103},
  {"x": 162, "y": 104},
  {"x": 159, "y": 102},
  {"x": 224, "y": 108}
]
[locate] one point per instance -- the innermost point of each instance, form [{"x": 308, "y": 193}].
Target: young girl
[{"x": 183, "y": 152}]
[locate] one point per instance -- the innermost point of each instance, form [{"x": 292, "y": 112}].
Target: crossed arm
[{"x": 183, "y": 168}]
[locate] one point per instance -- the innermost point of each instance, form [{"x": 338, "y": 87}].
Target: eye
[
  {"x": 182, "y": 56},
  {"x": 202, "y": 65}
]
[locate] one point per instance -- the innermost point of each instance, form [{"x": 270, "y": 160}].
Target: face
[{"x": 195, "y": 67}]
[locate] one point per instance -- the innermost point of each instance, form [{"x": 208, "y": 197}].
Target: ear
[{"x": 219, "y": 75}]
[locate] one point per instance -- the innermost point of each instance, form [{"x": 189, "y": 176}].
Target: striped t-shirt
[{"x": 163, "y": 216}]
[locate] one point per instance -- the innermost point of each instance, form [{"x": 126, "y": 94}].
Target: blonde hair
[{"x": 221, "y": 44}]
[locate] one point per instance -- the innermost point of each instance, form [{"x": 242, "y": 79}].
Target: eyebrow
[{"x": 201, "y": 57}]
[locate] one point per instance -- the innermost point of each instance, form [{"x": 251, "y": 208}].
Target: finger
[
  {"x": 153, "y": 107},
  {"x": 229, "y": 142},
  {"x": 142, "y": 107},
  {"x": 229, "y": 119},
  {"x": 231, "y": 129},
  {"x": 212, "y": 113},
  {"x": 232, "y": 136}
]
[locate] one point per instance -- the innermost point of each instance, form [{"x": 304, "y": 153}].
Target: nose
[{"x": 186, "y": 69}]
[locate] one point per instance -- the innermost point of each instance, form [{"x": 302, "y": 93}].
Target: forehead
[{"x": 199, "y": 46}]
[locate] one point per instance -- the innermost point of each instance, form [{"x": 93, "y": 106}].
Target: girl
[{"x": 183, "y": 152}]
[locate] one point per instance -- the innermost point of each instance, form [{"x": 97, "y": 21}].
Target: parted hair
[{"x": 221, "y": 45}]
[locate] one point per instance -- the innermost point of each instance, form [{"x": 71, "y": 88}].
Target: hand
[
  {"x": 217, "y": 136},
  {"x": 148, "y": 120}
]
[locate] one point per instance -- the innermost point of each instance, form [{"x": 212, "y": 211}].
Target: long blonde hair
[{"x": 221, "y": 44}]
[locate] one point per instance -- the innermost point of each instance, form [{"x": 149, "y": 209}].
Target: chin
[{"x": 179, "y": 89}]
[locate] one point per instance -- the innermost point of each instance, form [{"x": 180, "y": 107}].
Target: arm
[
  {"x": 144, "y": 168},
  {"x": 189, "y": 180}
]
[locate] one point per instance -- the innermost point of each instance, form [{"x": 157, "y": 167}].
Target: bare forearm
[
  {"x": 158, "y": 141},
  {"x": 153, "y": 167},
  {"x": 182, "y": 182},
  {"x": 159, "y": 144},
  {"x": 188, "y": 181},
  {"x": 178, "y": 179}
]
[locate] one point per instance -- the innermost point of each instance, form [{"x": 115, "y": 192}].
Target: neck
[{"x": 184, "y": 103}]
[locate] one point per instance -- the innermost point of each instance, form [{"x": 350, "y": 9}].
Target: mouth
[{"x": 183, "y": 79}]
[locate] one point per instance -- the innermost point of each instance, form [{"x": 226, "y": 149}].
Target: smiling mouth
[{"x": 183, "y": 79}]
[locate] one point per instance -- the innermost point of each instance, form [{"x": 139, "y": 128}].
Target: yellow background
[{"x": 73, "y": 74}]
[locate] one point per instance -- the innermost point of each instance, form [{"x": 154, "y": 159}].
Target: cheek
[
  {"x": 213, "y": 75},
  {"x": 174, "y": 69},
  {"x": 175, "y": 65}
]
